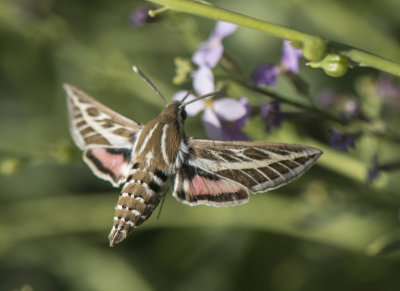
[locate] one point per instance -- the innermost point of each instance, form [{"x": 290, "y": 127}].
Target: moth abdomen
[{"x": 136, "y": 203}]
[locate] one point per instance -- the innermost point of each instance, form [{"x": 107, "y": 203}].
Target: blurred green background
[{"x": 329, "y": 230}]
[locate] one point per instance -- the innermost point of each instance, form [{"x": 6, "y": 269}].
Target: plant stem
[
  {"x": 368, "y": 60},
  {"x": 240, "y": 19}
]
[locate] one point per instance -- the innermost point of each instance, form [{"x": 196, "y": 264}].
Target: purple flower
[
  {"x": 341, "y": 142},
  {"x": 231, "y": 130},
  {"x": 374, "y": 171},
  {"x": 271, "y": 113},
  {"x": 140, "y": 16},
  {"x": 203, "y": 83},
  {"x": 209, "y": 53},
  {"x": 290, "y": 58},
  {"x": 266, "y": 74},
  {"x": 203, "y": 80},
  {"x": 223, "y": 117}
]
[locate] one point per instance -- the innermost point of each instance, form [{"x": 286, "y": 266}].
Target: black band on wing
[
  {"x": 188, "y": 172},
  {"x": 126, "y": 153},
  {"x": 109, "y": 163},
  {"x": 99, "y": 165}
]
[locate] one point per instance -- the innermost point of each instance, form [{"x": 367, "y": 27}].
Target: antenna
[
  {"x": 202, "y": 97},
  {"x": 188, "y": 93},
  {"x": 137, "y": 71}
]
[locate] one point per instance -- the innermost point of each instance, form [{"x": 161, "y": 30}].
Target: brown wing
[
  {"x": 259, "y": 166},
  {"x": 92, "y": 123},
  {"x": 105, "y": 136}
]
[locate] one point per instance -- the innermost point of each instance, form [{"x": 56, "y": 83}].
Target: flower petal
[
  {"x": 290, "y": 57},
  {"x": 203, "y": 81},
  {"x": 191, "y": 109},
  {"x": 341, "y": 142},
  {"x": 212, "y": 124},
  {"x": 223, "y": 29},
  {"x": 269, "y": 109},
  {"x": 243, "y": 121},
  {"x": 229, "y": 109},
  {"x": 265, "y": 74},
  {"x": 140, "y": 16},
  {"x": 178, "y": 96},
  {"x": 235, "y": 133},
  {"x": 231, "y": 130},
  {"x": 208, "y": 53}
]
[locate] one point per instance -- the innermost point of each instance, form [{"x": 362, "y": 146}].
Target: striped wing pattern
[
  {"x": 256, "y": 166},
  {"x": 106, "y": 137},
  {"x": 92, "y": 123}
]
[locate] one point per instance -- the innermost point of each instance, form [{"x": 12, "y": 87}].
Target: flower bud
[
  {"x": 333, "y": 65},
  {"x": 314, "y": 49}
]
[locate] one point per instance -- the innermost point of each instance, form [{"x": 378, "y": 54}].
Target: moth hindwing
[{"x": 143, "y": 158}]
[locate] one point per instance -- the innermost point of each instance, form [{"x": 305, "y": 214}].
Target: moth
[{"x": 144, "y": 158}]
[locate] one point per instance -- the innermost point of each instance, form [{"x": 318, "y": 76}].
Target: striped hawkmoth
[{"x": 143, "y": 158}]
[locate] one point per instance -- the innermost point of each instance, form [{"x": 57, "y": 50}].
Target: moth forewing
[
  {"x": 92, "y": 123},
  {"x": 105, "y": 136},
  {"x": 259, "y": 166},
  {"x": 144, "y": 157}
]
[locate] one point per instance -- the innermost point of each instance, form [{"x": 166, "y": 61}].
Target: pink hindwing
[
  {"x": 109, "y": 163},
  {"x": 105, "y": 136}
]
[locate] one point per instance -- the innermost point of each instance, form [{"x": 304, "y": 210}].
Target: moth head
[{"x": 175, "y": 110}]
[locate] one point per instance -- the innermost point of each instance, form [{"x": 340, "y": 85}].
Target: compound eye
[{"x": 183, "y": 114}]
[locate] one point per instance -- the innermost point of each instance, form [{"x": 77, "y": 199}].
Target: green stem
[
  {"x": 368, "y": 60},
  {"x": 153, "y": 13},
  {"x": 313, "y": 47},
  {"x": 240, "y": 19}
]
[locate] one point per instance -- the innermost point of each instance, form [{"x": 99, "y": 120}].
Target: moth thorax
[{"x": 135, "y": 205}]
